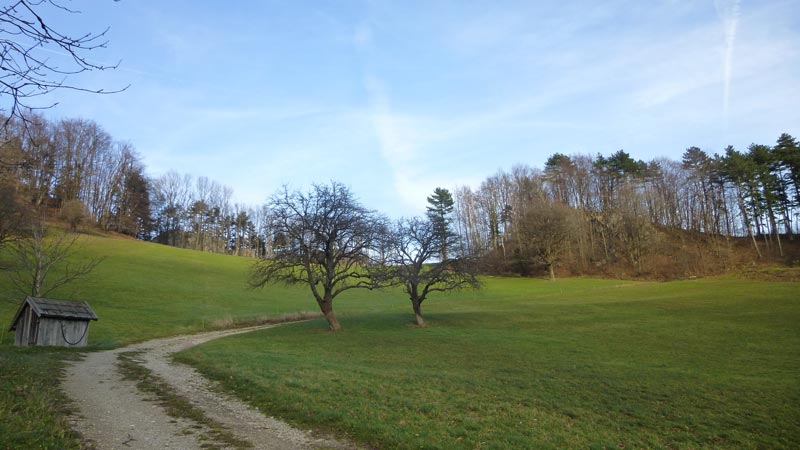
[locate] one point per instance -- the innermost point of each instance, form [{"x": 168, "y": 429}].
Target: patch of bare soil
[{"x": 111, "y": 413}]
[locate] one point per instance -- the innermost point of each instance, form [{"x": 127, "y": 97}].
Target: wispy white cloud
[
  {"x": 455, "y": 91},
  {"x": 728, "y": 11},
  {"x": 674, "y": 68},
  {"x": 397, "y": 138}
]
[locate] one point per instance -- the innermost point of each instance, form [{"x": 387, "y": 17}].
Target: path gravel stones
[{"x": 112, "y": 414}]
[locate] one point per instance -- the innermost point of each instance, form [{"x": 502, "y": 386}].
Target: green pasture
[
  {"x": 142, "y": 291},
  {"x": 32, "y": 408},
  {"x": 524, "y": 363},
  {"x": 531, "y": 364}
]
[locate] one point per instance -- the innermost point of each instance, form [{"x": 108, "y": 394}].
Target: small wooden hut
[{"x": 43, "y": 321}]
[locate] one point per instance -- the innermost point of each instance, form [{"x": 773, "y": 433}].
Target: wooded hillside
[{"x": 612, "y": 215}]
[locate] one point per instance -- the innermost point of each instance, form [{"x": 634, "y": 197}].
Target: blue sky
[{"x": 397, "y": 98}]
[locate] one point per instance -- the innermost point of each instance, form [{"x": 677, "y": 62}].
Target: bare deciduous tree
[
  {"x": 39, "y": 264},
  {"x": 14, "y": 213},
  {"x": 74, "y": 213},
  {"x": 324, "y": 239},
  {"x": 415, "y": 244},
  {"x": 545, "y": 232},
  {"x": 14, "y": 210}
]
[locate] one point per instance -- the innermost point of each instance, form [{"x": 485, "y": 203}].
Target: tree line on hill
[
  {"x": 581, "y": 214},
  {"x": 617, "y": 215},
  {"x": 74, "y": 170}
]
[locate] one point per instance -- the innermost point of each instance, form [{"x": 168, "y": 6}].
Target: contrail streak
[{"x": 729, "y": 13}]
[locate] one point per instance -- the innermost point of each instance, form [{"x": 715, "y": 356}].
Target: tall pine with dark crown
[{"x": 441, "y": 207}]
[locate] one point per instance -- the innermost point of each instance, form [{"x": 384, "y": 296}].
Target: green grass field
[
  {"x": 531, "y": 364},
  {"x": 143, "y": 290},
  {"x": 32, "y": 408},
  {"x": 521, "y": 364},
  {"x": 140, "y": 291}
]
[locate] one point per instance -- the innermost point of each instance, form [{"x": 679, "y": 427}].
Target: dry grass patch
[{"x": 229, "y": 322}]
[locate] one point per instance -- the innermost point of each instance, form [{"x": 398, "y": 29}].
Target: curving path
[{"x": 113, "y": 414}]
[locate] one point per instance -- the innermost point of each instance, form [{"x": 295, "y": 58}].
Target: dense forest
[
  {"x": 619, "y": 216},
  {"x": 76, "y": 172},
  {"x": 580, "y": 214}
]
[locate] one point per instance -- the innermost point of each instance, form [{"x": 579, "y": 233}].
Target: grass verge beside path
[
  {"x": 530, "y": 364},
  {"x": 32, "y": 408}
]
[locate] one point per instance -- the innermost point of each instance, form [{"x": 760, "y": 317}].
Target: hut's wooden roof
[{"x": 57, "y": 309}]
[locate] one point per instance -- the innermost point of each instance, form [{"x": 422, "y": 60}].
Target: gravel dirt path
[{"x": 112, "y": 414}]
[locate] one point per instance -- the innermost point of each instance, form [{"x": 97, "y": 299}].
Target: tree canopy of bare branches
[
  {"x": 415, "y": 244},
  {"x": 545, "y": 233},
  {"x": 39, "y": 264},
  {"x": 323, "y": 238},
  {"x": 616, "y": 215}
]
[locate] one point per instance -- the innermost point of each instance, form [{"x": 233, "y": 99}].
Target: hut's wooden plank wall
[
  {"x": 59, "y": 331},
  {"x": 52, "y": 322}
]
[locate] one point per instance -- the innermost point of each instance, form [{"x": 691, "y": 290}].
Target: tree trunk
[
  {"x": 746, "y": 220},
  {"x": 787, "y": 222},
  {"x": 774, "y": 224},
  {"x": 552, "y": 272},
  {"x": 326, "y": 306},
  {"x": 417, "y": 305}
]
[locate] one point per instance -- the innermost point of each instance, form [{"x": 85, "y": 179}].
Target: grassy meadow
[
  {"x": 524, "y": 363},
  {"x": 532, "y": 364},
  {"x": 140, "y": 291},
  {"x": 143, "y": 290}
]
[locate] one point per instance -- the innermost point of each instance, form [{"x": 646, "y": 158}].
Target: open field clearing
[
  {"x": 530, "y": 364},
  {"x": 522, "y": 363},
  {"x": 140, "y": 291},
  {"x": 143, "y": 291}
]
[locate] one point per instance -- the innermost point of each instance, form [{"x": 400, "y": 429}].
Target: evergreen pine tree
[{"x": 441, "y": 207}]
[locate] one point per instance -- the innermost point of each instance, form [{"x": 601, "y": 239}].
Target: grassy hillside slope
[
  {"x": 143, "y": 290},
  {"x": 523, "y": 363},
  {"x": 140, "y": 291}
]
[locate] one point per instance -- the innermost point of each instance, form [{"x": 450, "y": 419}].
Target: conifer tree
[{"x": 439, "y": 212}]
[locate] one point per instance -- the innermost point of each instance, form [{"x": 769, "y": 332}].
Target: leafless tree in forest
[
  {"x": 14, "y": 214},
  {"x": 15, "y": 211},
  {"x": 172, "y": 195},
  {"x": 545, "y": 232}
]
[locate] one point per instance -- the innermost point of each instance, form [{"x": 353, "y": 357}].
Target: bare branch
[
  {"x": 39, "y": 264},
  {"x": 26, "y": 70}
]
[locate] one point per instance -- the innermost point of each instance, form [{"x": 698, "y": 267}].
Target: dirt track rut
[{"x": 112, "y": 414}]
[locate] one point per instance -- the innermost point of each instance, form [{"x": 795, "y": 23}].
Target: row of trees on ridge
[
  {"x": 618, "y": 215},
  {"x": 580, "y": 214},
  {"x": 75, "y": 169}
]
